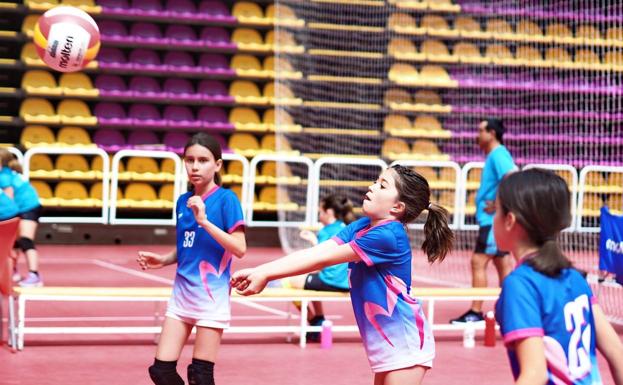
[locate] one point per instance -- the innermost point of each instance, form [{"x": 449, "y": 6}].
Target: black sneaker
[
  {"x": 469, "y": 316},
  {"x": 314, "y": 336}
]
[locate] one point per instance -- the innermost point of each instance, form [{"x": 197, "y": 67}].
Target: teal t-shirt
[
  {"x": 498, "y": 163},
  {"x": 8, "y": 208},
  {"x": 24, "y": 195},
  {"x": 336, "y": 275}
]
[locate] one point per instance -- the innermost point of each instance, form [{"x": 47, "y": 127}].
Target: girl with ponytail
[
  {"x": 397, "y": 337},
  {"x": 549, "y": 318}
]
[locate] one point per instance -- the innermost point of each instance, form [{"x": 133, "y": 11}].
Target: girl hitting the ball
[{"x": 210, "y": 230}]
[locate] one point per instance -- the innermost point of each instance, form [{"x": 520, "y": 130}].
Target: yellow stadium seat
[
  {"x": 529, "y": 56},
  {"x": 410, "y": 4},
  {"x": 443, "y": 5},
  {"x": 46, "y": 197},
  {"x": 96, "y": 194},
  {"x": 500, "y": 29},
  {"x": 587, "y": 58},
  {"x": 268, "y": 118},
  {"x": 74, "y": 136},
  {"x": 269, "y": 143},
  {"x": 40, "y": 5},
  {"x": 143, "y": 168},
  {"x": 425, "y": 147},
  {"x": 246, "y": 65},
  {"x": 591, "y": 205},
  {"x": 250, "y": 39},
  {"x": 499, "y": 54},
  {"x": 41, "y": 167},
  {"x": 37, "y": 136},
  {"x": 36, "y": 110},
  {"x": 468, "y": 27},
  {"x": 560, "y": 33},
  {"x": 140, "y": 195},
  {"x": 235, "y": 168},
  {"x": 97, "y": 165},
  {"x": 281, "y": 14},
  {"x": 427, "y": 123},
  {"x": 448, "y": 176},
  {"x": 394, "y": 148},
  {"x": 167, "y": 169},
  {"x": 75, "y": 166},
  {"x": 245, "y": 91},
  {"x": 247, "y": 12},
  {"x": 615, "y": 181},
  {"x": 614, "y": 34},
  {"x": 274, "y": 198},
  {"x": 595, "y": 179},
  {"x": 615, "y": 204},
  {"x": 244, "y": 144},
  {"x": 469, "y": 53},
  {"x": 589, "y": 33},
  {"x": 614, "y": 60},
  {"x": 393, "y": 97},
  {"x": 396, "y": 123},
  {"x": 404, "y": 23},
  {"x": 72, "y": 194},
  {"x": 529, "y": 31},
  {"x": 281, "y": 94},
  {"x": 427, "y": 172},
  {"x": 77, "y": 84},
  {"x": 37, "y": 82},
  {"x": 470, "y": 203},
  {"x": 434, "y": 75},
  {"x": 75, "y": 112},
  {"x": 86, "y": 5},
  {"x": 282, "y": 42},
  {"x": 436, "y": 50},
  {"x": 436, "y": 25},
  {"x": 427, "y": 97},
  {"x": 28, "y": 25},
  {"x": 166, "y": 195},
  {"x": 30, "y": 56},
  {"x": 473, "y": 179},
  {"x": 403, "y": 74},
  {"x": 244, "y": 118},
  {"x": 559, "y": 57},
  {"x": 404, "y": 49}
]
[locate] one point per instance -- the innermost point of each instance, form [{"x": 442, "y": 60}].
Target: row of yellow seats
[
  {"x": 500, "y": 29},
  {"x": 43, "y": 5},
  {"x": 422, "y": 149},
  {"x": 429, "y": 75},
  {"x": 439, "y": 178},
  {"x": 248, "y": 119},
  {"x": 252, "y": 13},
  {"x": 466, "y": 52},
  {"x": 69, "y": 84},
  {"x": 596, "y": 181},
  {"x": 32, "y": 136},
  {"x": 433, "y": 5},
  {"x": 251, "y": 39},
  {"x": 245, "y": 91},
  {"x": 423, "y": 126},
  {"x": 422, "y": 100},
  {"x": 69, "y": 111},
  {"x": 247, "y": 144},
  {"x": 249, "y": 65},
  {"x": 77, "y": 166},
  {"x": 592, "y": 204},
  {"x": 270, "y": 198},
  {"x": 269, "y": 172}
]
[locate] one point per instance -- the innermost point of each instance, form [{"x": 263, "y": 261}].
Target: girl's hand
[
  {"x": 248, "y": 281},
  {"x": 309, "y": 236},
  {"x": 195, "y": 203},
  {"x": 149, "y": 260}
]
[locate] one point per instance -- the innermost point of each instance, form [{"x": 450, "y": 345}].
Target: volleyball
[{"x": 66, "y": 38}]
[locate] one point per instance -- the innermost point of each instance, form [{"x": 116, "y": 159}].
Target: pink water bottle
[{"x": 326, "y": 336}]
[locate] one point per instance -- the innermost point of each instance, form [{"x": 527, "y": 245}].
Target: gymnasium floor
[{"x": 243, "y": 359}]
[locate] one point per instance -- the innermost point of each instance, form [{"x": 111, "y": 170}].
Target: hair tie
[{"x": 430, "y": 205}]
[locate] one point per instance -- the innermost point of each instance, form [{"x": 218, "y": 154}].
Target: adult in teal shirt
[
  {"x": 334, "y": 212},
  {"x": 498, "y": 163}
]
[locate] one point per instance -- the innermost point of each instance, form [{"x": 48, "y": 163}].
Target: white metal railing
[
  {"x": 463, "y": 193},
  {"x": 18, "y": 154},
  {"x": 103, "y": 217},
  {"x": 458, "y": 205},
  {"x": 115, "y": 186},
  {"x": 251, "y": 188},
  {"x": 580, "y": 208}
]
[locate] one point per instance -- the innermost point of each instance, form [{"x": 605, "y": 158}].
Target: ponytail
[
  {"x": 438, "y": 236},
  {"x": 15, "y": 166},
  {"x": 550, "y": 259}
]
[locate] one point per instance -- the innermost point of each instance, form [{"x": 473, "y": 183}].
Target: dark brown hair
[
  {"x": 209, "y": 142},
  {"x": 540, "y": 201},
  {"x": 341, "y": 206},
  {"x": 414, "y": 191},
  {"x": 8, "y": 160}
]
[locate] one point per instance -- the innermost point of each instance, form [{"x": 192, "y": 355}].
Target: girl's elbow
[{"x": 239, "y": 253}]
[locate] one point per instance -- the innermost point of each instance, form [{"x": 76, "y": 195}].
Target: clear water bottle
[{"x": 469, "y": 335}]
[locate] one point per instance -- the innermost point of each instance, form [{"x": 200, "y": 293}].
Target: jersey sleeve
[
  {"x": 519, "y": 310},
  {"x": 232, "y": 212},
  {"x": 376, "y": 246},
  {"x": 348, "y": 233}
]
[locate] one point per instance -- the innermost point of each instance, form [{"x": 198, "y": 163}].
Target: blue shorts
[{"x": 485, "y": 243}]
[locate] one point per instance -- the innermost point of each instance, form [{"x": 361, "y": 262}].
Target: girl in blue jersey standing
[
  {"x": 549, "y": 318},
  {"x": 396, "y": 336},
  {"x": 210, "y": 230},
  {"x": 27, "y": 201}
]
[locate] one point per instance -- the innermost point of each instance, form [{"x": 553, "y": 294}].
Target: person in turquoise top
[
  {"x": 498, "y": 163},
  {"x": 334, "y": 212},
  {"x": 27, "y": 201},
  {"x": 8, "y": 208}
]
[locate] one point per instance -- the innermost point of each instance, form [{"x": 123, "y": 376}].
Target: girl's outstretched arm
[
  {"x": 149, "y": 260},
  {"x": 609, "y": 344},
  {"x": 253, "y": 281}
]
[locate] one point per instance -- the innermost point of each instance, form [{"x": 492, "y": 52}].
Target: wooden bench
[{"x": 21, "y": 296}]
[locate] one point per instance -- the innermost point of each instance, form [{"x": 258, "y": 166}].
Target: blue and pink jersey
[
  {"x": 201, "y": 289},
  {"x": 392, "y": 325},
  {"x": 558, "y": 310}
]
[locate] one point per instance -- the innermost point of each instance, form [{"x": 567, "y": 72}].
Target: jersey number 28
[{"x": 580, "y": 342}]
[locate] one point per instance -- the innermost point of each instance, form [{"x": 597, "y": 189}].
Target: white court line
[
  {"x": 156, "y": 278},
  {"x": 144, "y": 318}
]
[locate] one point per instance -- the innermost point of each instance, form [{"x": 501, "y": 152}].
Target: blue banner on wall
[{"x": 611, "y": 244}]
